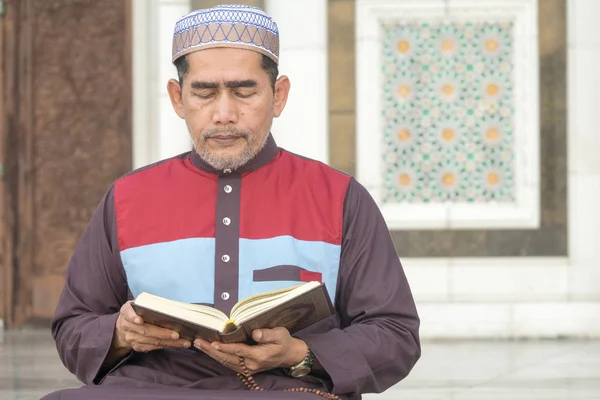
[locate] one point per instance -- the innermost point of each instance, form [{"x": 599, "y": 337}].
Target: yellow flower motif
[
  {"x": 404, "y": 180},
  {"x": 448, "y": 45},
  {"x": 404, "y": 91},
  {"x": 492, "y": 89},
  {"x": 448, "y": 179},
  {"x": 404, "y": 135},
  {"x": 491, "y": 45},
  {"x": 448, "y": 89},
  {"x": 447, "y": 86},
  {"x": 493, "y": 178},
  {"x": 403, "y": 46},
  {"x": 492, "y": 134},
  {"x": 492, "y": 42},
  {"x": 448, "y": 134}
]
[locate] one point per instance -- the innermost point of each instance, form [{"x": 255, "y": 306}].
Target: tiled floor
[{"x": 29, "y": 368}]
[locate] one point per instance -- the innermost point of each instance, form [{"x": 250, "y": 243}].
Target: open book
[{"x": 293, "y": 308}]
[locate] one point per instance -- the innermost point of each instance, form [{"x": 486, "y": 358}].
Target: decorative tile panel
[
  {"x": 447, "y": 112},
  {"x": 447, "y": 125}
]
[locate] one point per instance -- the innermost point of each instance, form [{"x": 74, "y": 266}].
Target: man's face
[{"x": 228, "y": 104}]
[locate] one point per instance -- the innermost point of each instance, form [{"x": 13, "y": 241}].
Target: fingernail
[
  {"x": 198, "y": 343},
  {"x": 258, "y": 335},
  {"x": 137, "y": 320},
  {"x": 186, "y": 343},
  {"x": 215, "y": 346},
  {"x": 175, "y": 335}
]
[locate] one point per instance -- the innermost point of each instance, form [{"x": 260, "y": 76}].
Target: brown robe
[{"x": 369, "y": 345}]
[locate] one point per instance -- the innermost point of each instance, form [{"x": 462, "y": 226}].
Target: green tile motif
[{"x": 448, "y": 112}]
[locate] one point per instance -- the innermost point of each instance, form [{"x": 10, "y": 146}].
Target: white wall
[{"x": 584, "y": 143}]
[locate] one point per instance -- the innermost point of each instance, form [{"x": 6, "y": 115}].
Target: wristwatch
[{"x": 304, "y": 367}]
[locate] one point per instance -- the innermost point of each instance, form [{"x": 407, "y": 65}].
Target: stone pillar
[
  {"x": 303, "y": 126},
  {"x": 158, "y": 132}
]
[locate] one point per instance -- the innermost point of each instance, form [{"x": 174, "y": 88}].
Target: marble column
[
  {"x": 303, "y": 126},
  {"x": 158, "y": 132}
]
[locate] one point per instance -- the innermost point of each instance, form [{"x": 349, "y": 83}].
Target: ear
[
  {"x": 175, "y": 94},
  {"x": 282, "y": 89}
]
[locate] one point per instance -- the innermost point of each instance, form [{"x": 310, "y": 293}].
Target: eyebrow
[{"x": 247, "y": 83}]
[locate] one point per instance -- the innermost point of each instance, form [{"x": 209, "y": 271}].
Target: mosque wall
[{"x": 475, "y": 131}]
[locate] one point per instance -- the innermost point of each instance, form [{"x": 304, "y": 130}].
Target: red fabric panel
[
  {"x": 174, "y": 200},
  {"x": 169, "y": 201},
  {"x": 308, "y": 276},
  {"x": 309, "y": 206}
]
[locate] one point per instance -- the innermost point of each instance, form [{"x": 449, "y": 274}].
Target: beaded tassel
[{"x": 251, "y": 384}]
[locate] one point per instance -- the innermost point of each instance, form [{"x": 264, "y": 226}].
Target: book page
[
  {"x": 255, "y": 304},
  {"x": 249, "y": 310},
  {"x": 257, "y": 297}
]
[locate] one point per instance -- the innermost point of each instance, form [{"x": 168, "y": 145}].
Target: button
[
  {"x": 227, "y": 189},
  {"x": 225, "y": 296},
  {"x": 225, "y": 258},
  {"x": 226, "y": 221},
  {"x": 227, "y": 171}
]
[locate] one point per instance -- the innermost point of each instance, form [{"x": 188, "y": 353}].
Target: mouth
[{"x": 225, "y": 140}]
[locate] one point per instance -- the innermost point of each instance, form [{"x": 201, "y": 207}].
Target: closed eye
[
  {"x": 244, "y": 95},
  {"x": 204, "y": 95}
]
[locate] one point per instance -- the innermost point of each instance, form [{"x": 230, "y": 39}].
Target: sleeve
[
  {"x": 378, "y": 343},
  {"x": 95, "y": 289}
]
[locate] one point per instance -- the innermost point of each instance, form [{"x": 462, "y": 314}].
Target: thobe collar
[{"x": 264, "y": 156}]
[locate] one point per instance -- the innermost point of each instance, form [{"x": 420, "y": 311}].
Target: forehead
[{"x": 225, "y": 62}]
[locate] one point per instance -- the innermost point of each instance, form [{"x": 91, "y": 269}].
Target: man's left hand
[{"x": 275, "y": 348}]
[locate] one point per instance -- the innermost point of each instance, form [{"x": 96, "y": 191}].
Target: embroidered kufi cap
[{"x": 228, "y": 25}]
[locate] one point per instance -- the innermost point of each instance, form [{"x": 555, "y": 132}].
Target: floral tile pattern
[{"x": 448, "y": 112}]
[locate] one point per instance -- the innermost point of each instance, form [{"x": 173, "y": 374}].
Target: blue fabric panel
[
  {"x": 257, "y": 254},
  {"x": 182, "y": 270}
]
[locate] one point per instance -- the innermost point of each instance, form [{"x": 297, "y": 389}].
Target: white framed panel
[{"x": 524, "y": 210}]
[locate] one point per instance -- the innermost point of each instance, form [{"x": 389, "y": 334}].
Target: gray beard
[{"x": 232, "y": 162}]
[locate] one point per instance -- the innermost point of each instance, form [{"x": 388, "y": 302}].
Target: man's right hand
[{"x": 132, "y": 333}]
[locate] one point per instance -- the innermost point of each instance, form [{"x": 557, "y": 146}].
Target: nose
[{"x": 225, "y": 110}]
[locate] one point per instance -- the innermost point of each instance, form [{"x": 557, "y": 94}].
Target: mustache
[{"x": 224, "y": 132}]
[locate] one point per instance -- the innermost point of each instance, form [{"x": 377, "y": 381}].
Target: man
[{"x": 234, "y": 217}]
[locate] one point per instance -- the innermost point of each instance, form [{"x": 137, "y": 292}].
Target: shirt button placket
[{"x": 227, "y": 241}]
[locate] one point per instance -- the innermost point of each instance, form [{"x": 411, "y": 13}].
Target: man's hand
[
  {"x": 275, "y": 349},
  {"x": 132, "y": 333}
]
